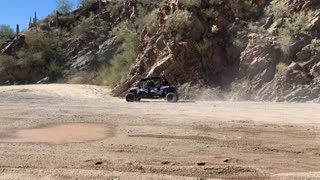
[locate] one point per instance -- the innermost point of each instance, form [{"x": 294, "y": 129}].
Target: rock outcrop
[
  {"x": 10, "y": 48},
  {"x": 182, "y": 59},
  {"x": 217, "y": 48}
]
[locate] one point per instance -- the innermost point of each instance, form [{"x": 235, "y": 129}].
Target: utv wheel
[
  {"x": 172, "y": 97},
  {"x": 138, "y": 98},
  {"x": 130, "y": 97}
]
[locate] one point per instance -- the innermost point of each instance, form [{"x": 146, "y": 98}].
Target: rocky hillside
[{"x": 239, "y": 50}]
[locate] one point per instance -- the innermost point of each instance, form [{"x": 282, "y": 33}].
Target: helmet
[{"x": 162, "y": 74}]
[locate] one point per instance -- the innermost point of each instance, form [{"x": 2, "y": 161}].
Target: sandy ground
[{"x": 155, "y": 139}]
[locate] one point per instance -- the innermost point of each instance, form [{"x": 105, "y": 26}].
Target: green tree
[
  {"x": 64, "y": 6},
  {"x": 5, "y": 32}
]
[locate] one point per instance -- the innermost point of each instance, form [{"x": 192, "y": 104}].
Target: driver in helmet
[{"x": 164, "y": 81}]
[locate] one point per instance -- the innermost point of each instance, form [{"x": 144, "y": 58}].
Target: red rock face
[{"x": 179, "y": 57}]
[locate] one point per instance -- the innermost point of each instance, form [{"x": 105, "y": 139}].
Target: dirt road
[{"x": 152, "y": 140}]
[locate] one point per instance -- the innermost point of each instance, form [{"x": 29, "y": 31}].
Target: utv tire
[
  {"x": 130, "y": 97},
  {"x": 138, "y": 97},
  {"x": 172, "y": 97}
]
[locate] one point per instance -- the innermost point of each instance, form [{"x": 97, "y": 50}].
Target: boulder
[
  {"x": 314, "y": 25},
  {"x": 44, "y": 81},
  {"x": 160, "y": 43},
  {"x": 11, "y": 47},
  {"x": 85, "y": 62},
  {"x": 107, "y": 49},
  {"x": 255, "y": 59},
  {"x": 307, "y": 65},
  {"x": 315, "y": 71},
  {"x": 294, "y": 48},
  {"x": 121, "y": 88},
  {"x": 273, "y": 28},
  {"x": 269, "y": 22},
  {"x": 305, "y": 54},
  {"x": 160, "y": 66},
  {"x": 295, "y": 67}
]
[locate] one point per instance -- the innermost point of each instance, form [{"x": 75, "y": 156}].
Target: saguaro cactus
[
  {"x": 35, "y": 21},
  {"x": 30, "y": 22},
  {"x": 35, "y": 18},
  {"x": 17, "y": 31},
  {"x": 100, "y": 8},
  {"x": 57, "y": 19}
]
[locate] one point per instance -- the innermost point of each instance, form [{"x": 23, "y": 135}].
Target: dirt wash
[{"x": 153, "y": 139}]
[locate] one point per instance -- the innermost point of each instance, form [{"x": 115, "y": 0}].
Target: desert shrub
[
  {"x": 245, "y": 9},
  {"x": 54, "y": 71},
  {"x": 147, "y": 12},
  {"x": 152, "y": 21},
  {"x": 278, "y": 9},
  {"x": 67, "y": 20},
  {"x": 39, "y": 55},
  {"x": 114, "y": 72},
  {"x": 44, "y": 26},
  {"x": 5, "y": 32},
  {"x": 203, "y": 47},
  {"x": 85, "y": 3},
  {"x": 101, "y": 38},
  {"x": 191, "y": 3},
  {"x": 295, "y": 24},
  {"x": 30, "y": 59},
  {"x": 115, "y": 8},
  {"x": 179, "y": 21},
  {"x": 64, "y": 6},
  {"x": 282, "y": 69},
  {"x": 210, "y": 13},
  {"x": 7, "y": 65},
  {"x": 83, "y": 28},
  {"x": 315, "y": 42},
  {"x": 149, "y": 5}
]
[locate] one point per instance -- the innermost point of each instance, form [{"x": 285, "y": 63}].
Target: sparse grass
[{"x": 282, "y": 69}]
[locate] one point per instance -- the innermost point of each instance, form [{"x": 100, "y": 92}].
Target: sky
[{"x": 13, "y": 12}]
